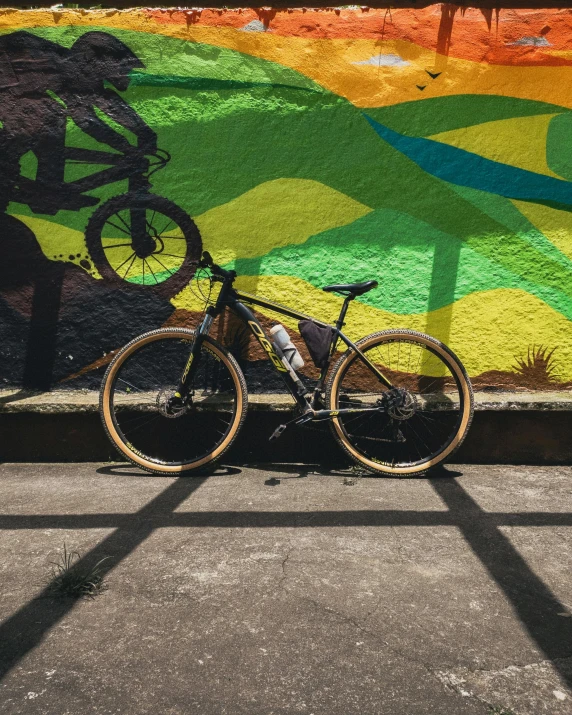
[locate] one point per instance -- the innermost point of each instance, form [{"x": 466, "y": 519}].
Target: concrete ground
[{"x": 286, "y": 590}]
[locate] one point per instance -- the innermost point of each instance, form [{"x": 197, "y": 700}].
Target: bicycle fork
[{"x": 183, "y": 389}]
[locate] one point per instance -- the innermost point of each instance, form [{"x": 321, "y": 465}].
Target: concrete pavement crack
[
  {"x": 354, "y": 622},
  {"x": 449, "y": 681},
  {"x": 284, "y": 562},
  {"x": 454, "y": 684}
]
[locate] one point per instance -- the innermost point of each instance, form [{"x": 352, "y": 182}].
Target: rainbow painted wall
[{"x": 430, "y": 149}]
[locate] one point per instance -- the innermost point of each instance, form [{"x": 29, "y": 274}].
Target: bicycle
[
  {"x": 137, "y": 237},
  {"x": 173, "y": 400}
]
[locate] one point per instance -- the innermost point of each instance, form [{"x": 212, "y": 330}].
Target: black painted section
[
  {"x": 527, "y": 437},
  {"x": 64, "y": 320}
]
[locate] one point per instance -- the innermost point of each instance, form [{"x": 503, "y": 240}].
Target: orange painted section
[{"x": 478, "y": 35}]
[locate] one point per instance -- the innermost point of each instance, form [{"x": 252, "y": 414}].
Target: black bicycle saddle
[{"x": 351, "y": 288}]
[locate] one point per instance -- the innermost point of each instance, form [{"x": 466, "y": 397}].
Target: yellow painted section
[
  {"x": 273, "y": 214},
  {"x": 554, "y": 224},
  {"x": 476, "y": 324},
  {"x": 193, "y": 296},
  {"x": 58, "y": 242},
  {"x": 330, "y": 62},
  {"x": 519, "y": 142}
]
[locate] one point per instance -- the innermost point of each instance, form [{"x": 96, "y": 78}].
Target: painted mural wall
[{"x": 430, "y": 149}]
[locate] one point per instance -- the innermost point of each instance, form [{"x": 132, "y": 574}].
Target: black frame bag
[{"x": 318, "y": 339}]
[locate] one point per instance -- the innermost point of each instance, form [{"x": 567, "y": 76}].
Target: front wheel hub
[
  {"x": 144, "y": 247},
  {"x": 171, "y": 406}
]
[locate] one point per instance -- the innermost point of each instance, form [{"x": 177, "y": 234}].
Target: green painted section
[
  {"x": 559, "y": 146},
  {"x": 401, "y": 253}
]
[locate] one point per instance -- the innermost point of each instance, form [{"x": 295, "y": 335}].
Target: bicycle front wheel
[
  {"x": 134, "y": 402},
  {"x": 418, "y": 423}
]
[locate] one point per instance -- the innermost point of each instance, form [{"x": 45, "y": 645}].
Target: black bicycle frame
[{"x": 235, "y": 300}]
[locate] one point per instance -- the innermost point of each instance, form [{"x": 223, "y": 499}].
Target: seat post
[{"x": 343, "y": 311}]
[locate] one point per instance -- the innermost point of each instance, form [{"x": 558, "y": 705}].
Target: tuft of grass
[
  {"x": 500, "y": 711},
  {"x": 356, "y": 472},
  {"x": 69, "y": 579}
]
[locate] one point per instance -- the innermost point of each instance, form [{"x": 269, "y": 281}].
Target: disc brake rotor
[
  {"x": 399, "y": 404},
  {"x": 165, "y": 404}
]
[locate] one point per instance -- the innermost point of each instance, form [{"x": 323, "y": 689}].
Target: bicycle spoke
[
  {"x": 118, "y": 245},
  {"x": 418, "y": 432},
  {"x": 129, "y": 266},
  {"x": 127, "y": 226},
  {"x": 150, "y": 271},
  {"x": 161, "y": 264},
  {"x": 125, "y": 261},
  {"x": 166, "y": 226},
  {"x": 128, "y": 232}
]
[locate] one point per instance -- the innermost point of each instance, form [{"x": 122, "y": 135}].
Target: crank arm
[{"x": 307, "y": 416}]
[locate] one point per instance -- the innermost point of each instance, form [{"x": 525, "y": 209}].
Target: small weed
[
  {"x": 356, "y": 472},
  {"x": 67, "y": 579},
  {"x": 500, "y": 711}
]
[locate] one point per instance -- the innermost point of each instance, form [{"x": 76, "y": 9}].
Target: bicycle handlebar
[{"x": 218, "y": 272}]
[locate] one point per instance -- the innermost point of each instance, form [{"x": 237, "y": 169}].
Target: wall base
[{"x": 508, "y": 437}]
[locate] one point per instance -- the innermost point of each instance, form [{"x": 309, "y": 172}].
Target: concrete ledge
[
  {"x": 64, "y": 426},
  {"x": 74, "y": 401}
]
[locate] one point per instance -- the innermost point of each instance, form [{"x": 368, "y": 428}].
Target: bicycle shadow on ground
[
  {"x": 287, "y": 471},
  {"x": 129, "y": 470}
]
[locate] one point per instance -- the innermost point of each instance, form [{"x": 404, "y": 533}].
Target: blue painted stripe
[{"x": 464, "y": 168}]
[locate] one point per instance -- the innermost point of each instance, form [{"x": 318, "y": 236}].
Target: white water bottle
[{"x": 282, "y": 339}]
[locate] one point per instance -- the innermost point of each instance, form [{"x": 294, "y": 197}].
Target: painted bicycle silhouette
[{"x": 138, "y": 237}]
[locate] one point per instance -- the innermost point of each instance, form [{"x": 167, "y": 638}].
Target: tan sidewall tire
[
  {"x": 452, "y": 361},
  {"x": 106, "y": 412}
]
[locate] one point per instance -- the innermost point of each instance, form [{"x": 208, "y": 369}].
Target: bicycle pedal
[{"x": 277, "y": 432}]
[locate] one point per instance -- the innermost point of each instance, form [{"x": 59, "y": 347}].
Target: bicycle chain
[{"x": 323, "y": 430}]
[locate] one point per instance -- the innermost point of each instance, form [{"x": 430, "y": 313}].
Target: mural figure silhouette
[
  {"x": 133, "y": 238},
  {"x": 42, "y": 84}
]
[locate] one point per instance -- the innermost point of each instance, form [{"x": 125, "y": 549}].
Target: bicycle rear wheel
[
  {"x": 135, "y": 410},
  {"x": 420, "y": 422}
]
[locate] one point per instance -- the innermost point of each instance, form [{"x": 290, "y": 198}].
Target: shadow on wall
[{"x": 55, "y": 318}]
